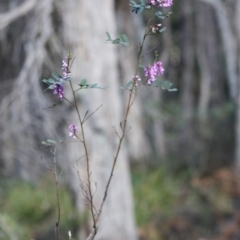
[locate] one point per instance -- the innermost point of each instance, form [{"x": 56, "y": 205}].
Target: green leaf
[
  {"x": 129, "y": 84},
  {"x": 45, "y": 81},
  {"x": 126, "y": 39},
  {"x": 57, "y": 77},
  {"x": 162, "y": 29},
  {"x": 44, "y": 142},
  {"x": 83, "y": 82},
  {"x": 125, "y": 44},
  {"x": 141, "y": 66},
  {"x": 67, "y": 79},
  {"x": 51, "y": 141},
  {"x": 120, "y": 37},
  {"x": 50, "y": 80},
  {"x": 94, "y": 85},
  {"x": 172, "y": 89},
  {"x": 108, "y": 36},
  {"x": 99, "y": 87},
  {"x": 116, "y": 41},
  {"x": 166, "y": 85},
  {"x": 141, "y": 9},
  {"x": 51, "y": 87},
  {"x": 158, "y": 82}
]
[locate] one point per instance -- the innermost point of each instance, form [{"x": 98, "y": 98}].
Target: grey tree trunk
[
  {"x": 188, "y": 82},
  {"x": 229, "y": 44},
  {"x": 24, "y": 124},
  {"x": 237, "y": 146}
]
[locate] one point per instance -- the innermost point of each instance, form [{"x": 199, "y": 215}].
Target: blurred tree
[{"x": 47, "y": 29}]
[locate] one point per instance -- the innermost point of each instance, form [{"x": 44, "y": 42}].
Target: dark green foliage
[
  {"x": 32, "y": 210},
  {"x": 154, "y": 192},
  {"x": 183, "y": 206}
]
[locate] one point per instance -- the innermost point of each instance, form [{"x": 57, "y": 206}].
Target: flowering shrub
[
  {"x": 160, "y": 3},
  {"x": 152, "y": 77}
]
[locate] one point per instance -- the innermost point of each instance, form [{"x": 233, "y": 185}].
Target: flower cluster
[
  {"x": 151, "y": 72},
  {"x": 160, "y": 3},
  {"x": 135, "y": 79},
  {"x": 73, "y": 130},
  {"x": 59, "y": 87},
  {"x": 59, "y": 90},
  {"x": 155, "y": 28},
  {"x": 65, "y": 69}
]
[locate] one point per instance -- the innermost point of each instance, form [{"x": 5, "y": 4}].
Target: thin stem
[
  {"x": 87, "y": 117},
  {"x": 69, "y": 101},
  {"x": 54, "y": 171},
  {"x": 124, "y": 126},
  {"x": 90, "y": 198},
  {"x": 57, "y": 194}
]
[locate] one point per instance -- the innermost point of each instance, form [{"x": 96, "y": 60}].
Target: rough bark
[
  {"x": 203, "y": 58},
  {"x": 237, "y": 127},
  {"x": 24, "y": 124},
  {"x": 229, "y": 44},
  {"x": 21, "y": 113},
  {"x": 187, "y": 99}
]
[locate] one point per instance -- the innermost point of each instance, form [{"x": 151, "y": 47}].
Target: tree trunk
[
  {"x": 24, "y": 124},
  {"x": 187, "y": 94},
  {"x": 237, "y": 127}
]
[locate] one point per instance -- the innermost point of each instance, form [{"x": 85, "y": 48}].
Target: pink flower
[
  {"x": 160, "y": 3},
  {"x": 151, "y": 72},
  {"x": 65, "y": 69},
  {"x": 73, "y": 130},
  {"x": 59, "y": 90}
]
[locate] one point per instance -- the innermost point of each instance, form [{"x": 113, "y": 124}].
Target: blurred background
[{"x": 178, "y": 175}]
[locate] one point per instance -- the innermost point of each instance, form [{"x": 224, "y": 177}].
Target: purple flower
[
  {"x": 151, "y": 72},
  {"x": 159, "y": 68},
  {"x": 73, "y": 130},
  {"x": 59, "y": 90},
  {"x": 65, "y": 69},
  {"x": 160, "y": 3}
]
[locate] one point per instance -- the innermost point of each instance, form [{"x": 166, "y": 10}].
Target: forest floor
[
  {"x": 179, "y": 207},
  {"x": 168, "y": 206}
]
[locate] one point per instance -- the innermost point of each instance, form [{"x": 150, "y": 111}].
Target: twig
[
  {"x": 54, "y": 171},
  {"x": 123, "y": 127},
  {"x": 87, "y": 158},
  {"x": 85, "y": 119}
]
